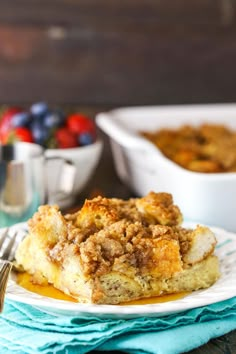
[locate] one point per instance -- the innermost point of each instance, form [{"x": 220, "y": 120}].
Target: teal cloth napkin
[{"x": 24, "y": 329}]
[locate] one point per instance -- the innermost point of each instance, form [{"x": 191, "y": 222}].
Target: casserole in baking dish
[{"x": 205, "y": 197}]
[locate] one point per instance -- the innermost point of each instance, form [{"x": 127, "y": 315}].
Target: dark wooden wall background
[{"x": 117, "y": 52}]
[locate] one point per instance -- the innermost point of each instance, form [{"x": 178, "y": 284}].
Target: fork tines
[
  {"x": 7, "y": 245},
  {"x": 5, "y": 268},
  {"x": 2, "y": 237}
]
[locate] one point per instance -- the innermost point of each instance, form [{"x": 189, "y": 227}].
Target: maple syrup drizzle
[{"x": 24, "y": 280}]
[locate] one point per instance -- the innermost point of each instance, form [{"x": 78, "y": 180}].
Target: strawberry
[
  {"x": 18, "y": 134},
  {"x": 23, "y": 134},
  {"x": 79, "y": 124},
  {"x": 6, "y": 122},
  {"x": 65, "y": 138}
]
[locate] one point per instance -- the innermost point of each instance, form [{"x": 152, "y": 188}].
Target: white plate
[{"x": 223, "y": 289}]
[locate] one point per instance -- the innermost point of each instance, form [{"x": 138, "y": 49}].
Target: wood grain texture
[
  {"x": 119, "y": 52},
  {"x": 73, "y": 11}
]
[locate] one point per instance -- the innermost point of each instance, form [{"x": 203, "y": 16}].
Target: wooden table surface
[{"x": 105, "y": 180}]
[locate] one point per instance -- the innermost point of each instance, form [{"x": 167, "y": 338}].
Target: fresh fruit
[
  {"x": 6, "y": 121},
  {"x": 85, "y": 139},
  {"x": 21, "y": 119},
  {"x": 39, "y": 108},
  {"x": 39, "y": 131},
  {"x": 65, "y": 138},
  {"x": 53, "y": 119},
  {"x": 23, "y": 134},
  {"x": 19, "y": 134},
  {"x": 79, "y": 124},
  {"x": 48, "y": 128}
]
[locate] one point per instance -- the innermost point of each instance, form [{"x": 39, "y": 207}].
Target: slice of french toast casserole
[{"x": 113, "y": 250}]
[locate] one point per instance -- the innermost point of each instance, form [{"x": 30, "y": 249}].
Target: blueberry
[
  {"x": 53, "y": 120},
  {"x": 85, "y": 139},
  {"x": 39, "y": 132},
  {"x": 21, "y": 119},
  {"x": 39, "y": 108}
]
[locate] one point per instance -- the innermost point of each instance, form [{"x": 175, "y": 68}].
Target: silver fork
[{"x": 7, "y": 248}]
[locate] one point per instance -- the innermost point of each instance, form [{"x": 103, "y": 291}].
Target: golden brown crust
[
  {"x": 159, "y": 208},
  {"x": 208, "y": 148},
  {"x": 113, "y": 243}
]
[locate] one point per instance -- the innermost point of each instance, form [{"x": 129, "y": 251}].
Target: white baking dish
[{"x": 204, "y": 198}]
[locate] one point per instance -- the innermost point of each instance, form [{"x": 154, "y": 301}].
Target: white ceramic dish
[
  {"x": 85, "y": 160},
  {"x": 223, "y": 289},
  {"x": 208, "y": 198}
]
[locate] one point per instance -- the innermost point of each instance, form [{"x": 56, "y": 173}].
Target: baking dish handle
[{"x": 122, "y": 135}]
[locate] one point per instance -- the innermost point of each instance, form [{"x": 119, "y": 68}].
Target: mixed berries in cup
[{"x": 46, "y": 127}]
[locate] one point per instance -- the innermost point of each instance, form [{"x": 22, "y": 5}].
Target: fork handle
[{"x": 5, "y": 269}]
